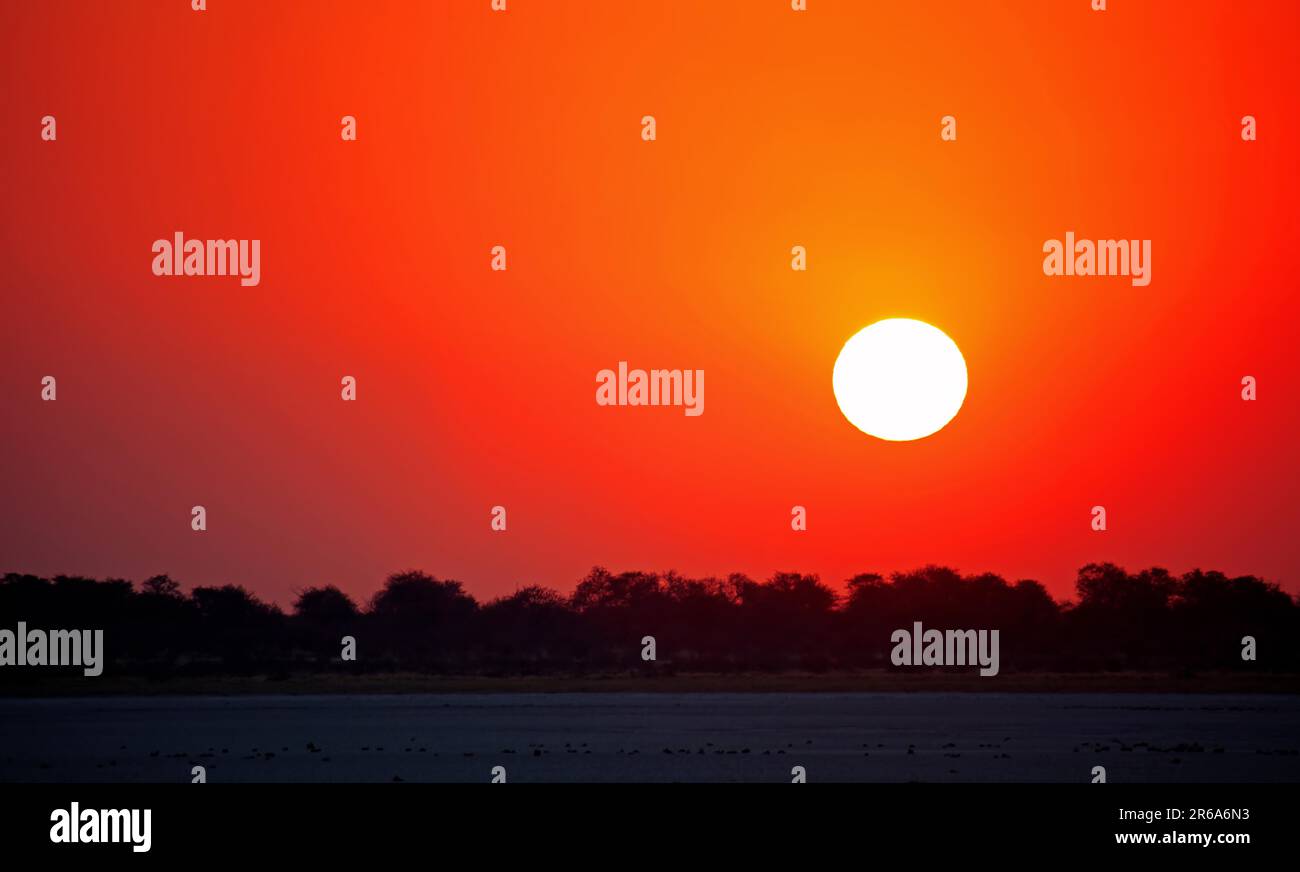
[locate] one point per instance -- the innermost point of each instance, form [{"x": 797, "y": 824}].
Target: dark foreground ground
[
  {"x": 35, "y": 683},
  {"x": 916, "y": 736}
]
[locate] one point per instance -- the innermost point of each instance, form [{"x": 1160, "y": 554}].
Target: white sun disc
[{"x": 899, "y": 379}]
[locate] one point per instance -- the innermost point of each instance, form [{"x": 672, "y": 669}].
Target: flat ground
[
  {"x": 627, "y": 736},
  {"x": 34, "y": 683}
]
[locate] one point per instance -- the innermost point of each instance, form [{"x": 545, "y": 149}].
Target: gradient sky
[{"x": 476, "y": 388}]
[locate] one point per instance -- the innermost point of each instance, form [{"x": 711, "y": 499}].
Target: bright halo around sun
[{"x": 900, "y": 379}]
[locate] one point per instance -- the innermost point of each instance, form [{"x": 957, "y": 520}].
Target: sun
[{"x": 899, "y": 379}]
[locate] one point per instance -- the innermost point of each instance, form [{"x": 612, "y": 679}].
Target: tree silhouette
[
  {"x": 423, "y": 620},
  {"x": 1149, "y": 620}
]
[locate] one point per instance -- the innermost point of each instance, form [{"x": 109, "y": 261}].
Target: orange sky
[{"x": 476, "y": 388}]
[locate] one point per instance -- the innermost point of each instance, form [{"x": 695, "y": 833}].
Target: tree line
[{"x": 1149, "y": 620}]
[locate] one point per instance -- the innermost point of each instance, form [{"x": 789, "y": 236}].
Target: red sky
[{"x": 476, "y": 388}]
